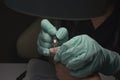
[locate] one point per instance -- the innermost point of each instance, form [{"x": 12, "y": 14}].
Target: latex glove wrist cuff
[{"x": 111, "y": 62}]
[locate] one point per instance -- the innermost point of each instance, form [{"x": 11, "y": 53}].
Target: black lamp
[{"x": 60, "y": 9}]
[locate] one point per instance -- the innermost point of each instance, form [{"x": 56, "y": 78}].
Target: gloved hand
[
  {"x": 48, "y": 31},
  {"x": 84, "y": 56}
]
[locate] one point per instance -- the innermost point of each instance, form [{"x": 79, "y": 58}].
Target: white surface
[
  {"x": 10, "y": 71},
  {"x": 39, "y": 70}
]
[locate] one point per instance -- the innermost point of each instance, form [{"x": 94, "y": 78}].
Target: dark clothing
[{"x": 107, "y": 34}]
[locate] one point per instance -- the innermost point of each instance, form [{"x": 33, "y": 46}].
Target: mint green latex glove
[
  {"x": 83, "y": 56},
  {"x": 48, "y": 31}
]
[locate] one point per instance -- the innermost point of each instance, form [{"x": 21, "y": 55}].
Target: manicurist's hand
[
  {"x": 48, "y": 31},
  {"x": 83, "y": 56}
]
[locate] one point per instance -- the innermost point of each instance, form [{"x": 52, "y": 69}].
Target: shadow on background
[{"x": 12, "y": 24}]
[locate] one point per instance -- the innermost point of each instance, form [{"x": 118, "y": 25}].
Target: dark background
[{"x": 12, "y": 24}]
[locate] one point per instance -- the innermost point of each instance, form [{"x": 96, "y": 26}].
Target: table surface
[{"x": 10, "y": 71}]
